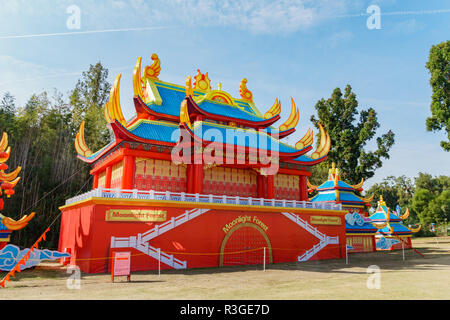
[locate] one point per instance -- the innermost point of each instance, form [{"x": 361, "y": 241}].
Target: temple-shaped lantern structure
[
  {"x": 392, "y": 233},
  {"x": 139, "y": 157},
  {"x": 7, "y": 183},
  {"x": 360, "y": 232},
  {"x": 198, "y": 170}
]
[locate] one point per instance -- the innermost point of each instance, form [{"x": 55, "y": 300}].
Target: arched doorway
[{"x": 244, "y": 245}]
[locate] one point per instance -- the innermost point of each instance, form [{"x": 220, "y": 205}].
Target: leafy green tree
[
  {"x": 349, "y": 136},
  {"x": 439, "y": 67},
  {"x": 41, "y": 135},
  {"x": 420, "y": 202},
  {"x": 430, "y": 201},
  {"x": 7, "y": 112},
  {"x": 88, "y": 100},
  {"x": 395, "y": 191},
  {"x": 438, "y": 209}
]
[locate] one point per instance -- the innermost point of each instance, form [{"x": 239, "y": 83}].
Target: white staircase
[
  {"x": 324, "y": 240},
  {"x": 141, "y": 240}
]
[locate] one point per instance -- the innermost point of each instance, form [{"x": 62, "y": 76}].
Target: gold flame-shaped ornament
[
  {"x": 306, "y": 141},
  {"x": 274, "y": 110},
  {"x": 113, "y": 110},
  {"x": 246, "y": 94},
  {"x": 202, "y": 82},
  {"x": 292, "y": 121},
  {"x": 189, "y": 89},
  {"x": 324, "y": 146},
  {"x": 152, "y": 72},
  {"x": 80, "y": 144},
  {"x": 137, "y": 80}
]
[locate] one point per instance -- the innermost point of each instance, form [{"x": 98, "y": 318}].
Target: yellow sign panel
[
  {"x": 325, "y": 220},
  {"x": 135, "y": 215}
]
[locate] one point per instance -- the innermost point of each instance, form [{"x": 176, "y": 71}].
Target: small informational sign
[
  {"x": 121, "y": 265},
  {"x": 326, "y": 220},
  {"x": 135, "y": 215}
]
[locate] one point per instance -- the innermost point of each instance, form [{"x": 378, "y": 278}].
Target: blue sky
[{"x": 302, "y": 49}]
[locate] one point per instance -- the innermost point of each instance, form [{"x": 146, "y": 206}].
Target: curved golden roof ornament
[
  {"x": 324, "y": 146},
  {"x": 367, "y": 200},
  {"x": 16, "y": 225},
  {"x": 359, "y": 185},
  {"x": 246, "y": 94},
  {"x": 274, "y": 110},
  {"x": 336, "y": 180},
  {"x": 292, "y": 121},
  {"x": 4, "y": 142},
  {"x": 414, "y": 230},
  {"x": 80, "y": 144},
  {"x": 379, "y": 225},
  {"x": 202, "y": 81},
  {"x": 153, "y": 71},
  {"x": 311, "y": 186},
  {"x": 137, "y": 80},
  {"x": 306, "y": 141},
  {"x": 184, "y": 115},
  {"x": 189, "y": 90},
  {"x": 405, "y": 215},
  {"x": 10, "y": 176},
  {"x": 113, "y": 110}
]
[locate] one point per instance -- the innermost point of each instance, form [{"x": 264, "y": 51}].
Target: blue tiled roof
[
  {"x": 330, "y": 184},
  {"x": 398, "y": 228},
  {"x": 349, "y": 197},
  {"x": 155, "y": 130},
  {"x": 381, "y": 216},
  {"x": 242, "y": 137},
  {"x": 329, "y": 196},
  {"x": 171, "y": 101},
  {"x": 228, "y": 111},
  {"x": 246, "y": 106},
  {"x": 343, "y": 197},
  {"x": 172, "y": 98},
  {"x": 304, "y": 158},
  {"x": 366, "y": 227}
]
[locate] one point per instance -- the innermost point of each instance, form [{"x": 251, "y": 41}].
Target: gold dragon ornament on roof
[{"x": 7, "y": 183}]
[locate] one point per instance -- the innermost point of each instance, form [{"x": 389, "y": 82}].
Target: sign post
[{"x": 121, "y": 265}]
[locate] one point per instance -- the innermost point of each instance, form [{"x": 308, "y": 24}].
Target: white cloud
[{"x": 257, "y": 16}]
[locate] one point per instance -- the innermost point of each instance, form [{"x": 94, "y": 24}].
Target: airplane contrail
[
  {"x": 394, "y": 13},
  {"x": 80, "y": 32}
]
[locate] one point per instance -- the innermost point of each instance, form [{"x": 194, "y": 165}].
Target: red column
[
  {"x": 260, "y": 185},
  {"x": 198, "y": 178},
  {"x": 270, "y": 187},
  {"x": 108, "y": 177},
  {"x": 128, "y": 172},
  {"x": 190, "y": 178},
  {"x": 95, "y": 184},
  {"x": 303, "y": 188}
]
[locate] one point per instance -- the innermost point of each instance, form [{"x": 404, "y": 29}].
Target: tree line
[{"x": 41, "y": 134}]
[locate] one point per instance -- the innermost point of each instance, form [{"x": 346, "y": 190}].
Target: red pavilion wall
[{"x": 86, "y": 234}]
